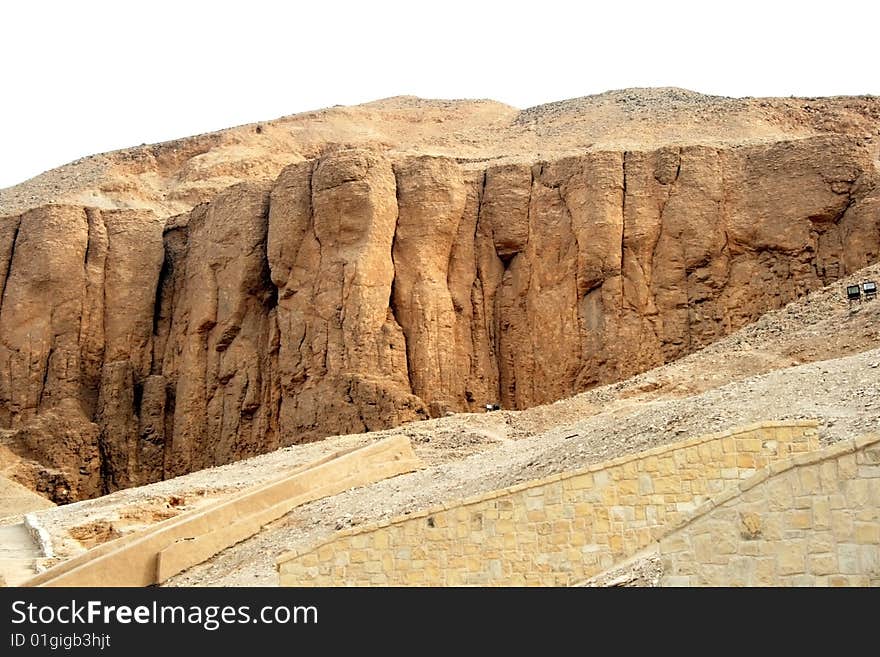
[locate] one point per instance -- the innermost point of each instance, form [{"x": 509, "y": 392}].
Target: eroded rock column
[
  {"x": 221, "y": 347},
  {"x": 342, "y": 357},
  {"x": 431, "y": 197}
]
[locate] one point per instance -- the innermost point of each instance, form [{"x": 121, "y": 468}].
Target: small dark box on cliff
[{"x": 853, "y": 293}]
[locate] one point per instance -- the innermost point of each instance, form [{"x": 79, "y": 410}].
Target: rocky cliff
[{"x": 363, "y": 288}]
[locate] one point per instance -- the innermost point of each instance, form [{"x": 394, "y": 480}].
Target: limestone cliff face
[
  {"x": 356, "y": 292},
  {"x": 342, "y": 354}
]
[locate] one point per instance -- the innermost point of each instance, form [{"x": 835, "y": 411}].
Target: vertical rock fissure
[
  {"x": 164, "y": 273},
  {"x": 722, "y": 217},
  {"x": 685, "y": 259},
  {"x": 529, "y": 206},
  {"x": 45, "y": 379},
  {"x": 104, "y": 467},
  {"x": 9, "y": 260},
  {"x": 320, "y": 267},
  {"x": 479, "y": 213},
  {"x": 623, "y": 236},
  {"x": 479, "y": 284},
  {"x": 104, "y": 285},
  {"x": 392, "y": 304},
  {"x": 267, "y": 380},
  {"x": 515, "y": 380},
  {"x": 311, "y": 220},
  {"x": 90, "y": 214}
]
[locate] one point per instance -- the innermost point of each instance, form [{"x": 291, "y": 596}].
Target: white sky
[{"x": 82, "y": 76}]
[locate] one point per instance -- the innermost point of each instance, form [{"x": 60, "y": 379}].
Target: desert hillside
[
  {"x": 172, "y": 177},
  {"x": 175, "y": 307}
]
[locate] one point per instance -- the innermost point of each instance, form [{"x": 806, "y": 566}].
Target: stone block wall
[
  {"x": 553, "y": 531},
  {"x": 811, "y": 521}
]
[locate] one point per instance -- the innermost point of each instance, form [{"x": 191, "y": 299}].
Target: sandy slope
[{"x": 171, "y": 177}]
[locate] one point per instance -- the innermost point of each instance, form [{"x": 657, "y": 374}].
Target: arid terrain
[
  {"x": 817, "y": 358},
  {"x": 181, "y": 321},
  {"x": 172, "y": 177}
]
